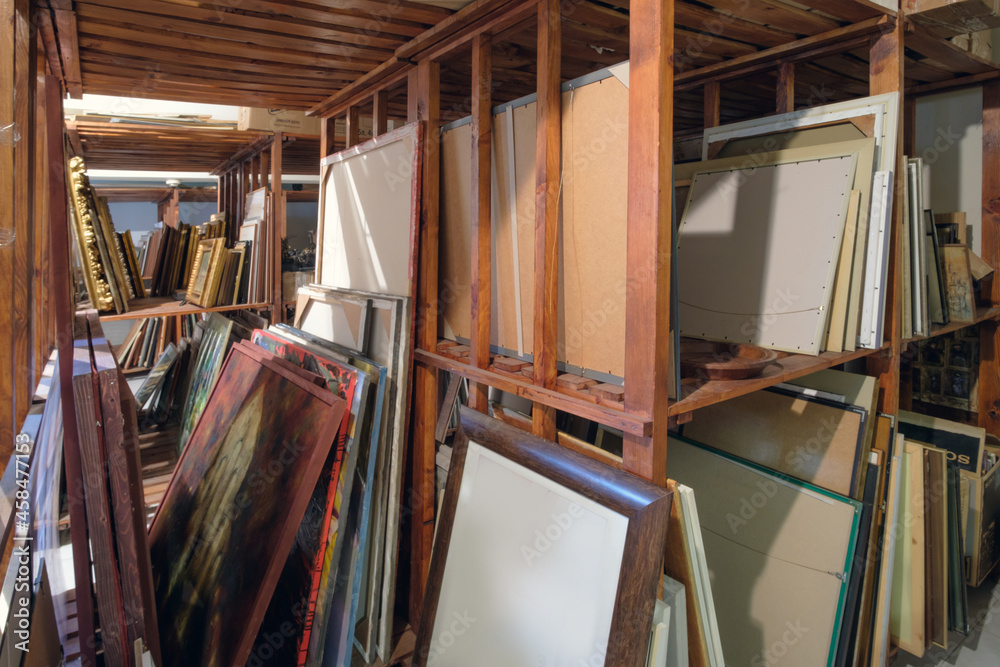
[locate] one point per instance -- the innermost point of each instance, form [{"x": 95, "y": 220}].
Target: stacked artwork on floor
[
  {"x": 107, "y": 259},
  {"x": 366, "y": 259}
]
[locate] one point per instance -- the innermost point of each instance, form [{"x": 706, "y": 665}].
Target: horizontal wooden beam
[
  {"x": 952, "y": 84},
  {"x": 548, "y": 397},
  {"x": 945, "y": 52},
  {"x": 365, "y": 85},
  {"x": 451, "y": 25},
  {"x": 833, "y": 41}
]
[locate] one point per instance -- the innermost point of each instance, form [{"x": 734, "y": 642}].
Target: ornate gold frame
[
  {"x": 99, "y": 288},
  {"x": 213, "y": 249}
]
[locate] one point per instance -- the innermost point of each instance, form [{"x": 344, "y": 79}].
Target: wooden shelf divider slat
[
  {"x": 983, "y": 314},
  {"x": 601, "y": 414},
  {"x": 167, "y": 307}
]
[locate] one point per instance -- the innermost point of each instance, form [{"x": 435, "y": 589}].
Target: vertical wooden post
[
  {"x": 785, "y": 90},
  {"x": 7, "y": 227},
  {"x": 482, "y": 137},
  {"x": 41, "y": 325},
  {"x": 713, "y": 104},
  {"x": 220, "y": 193},
  {"x": 244, "y": 176},
  {"x": 175, "y": 207},
  {"x": 265, "y": 169},
  {"x": 353, "y": 128},
  {"x": 909, "y": 128},
  {"x": 887, "y": 77},
  {"x": 25, "y": 78},
  {"x": 427, "y": 108},
  {"x": 380, "y": 113},
  {"x": 277, "y": 228},
  {"x": 649, "y": 252},
  {"x": 989, "y": 332},
  {"x": 548, "y": 156},
  {"x": 254, "y": 172},
  {"x": 326, "y": 133},
  {"x": 63, "y": 306}
]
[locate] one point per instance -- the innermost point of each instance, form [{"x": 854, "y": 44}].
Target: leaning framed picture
[
  {"x": 207, "y": 261},
  {"x": 542, "y": 557}
]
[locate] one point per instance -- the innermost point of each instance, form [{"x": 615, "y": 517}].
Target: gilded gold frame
[{"x": 213, "y": 249}]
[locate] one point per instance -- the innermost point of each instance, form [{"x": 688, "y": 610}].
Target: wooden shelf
[
  {"x": 982, "y": 315},
  {"x": 168, "y": 306},
  {"x": 700, "y": 394},
  {"x": 614, "y": 417}
]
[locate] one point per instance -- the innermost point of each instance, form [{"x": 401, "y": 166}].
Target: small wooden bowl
[{"x": 723, "y": 361}]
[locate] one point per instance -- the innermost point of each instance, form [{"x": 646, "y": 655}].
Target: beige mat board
[{"x": 771, "y": 275}]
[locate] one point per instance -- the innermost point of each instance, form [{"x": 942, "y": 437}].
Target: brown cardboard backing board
[
  {"x": 778, "y": 552},
  {"x": 816, "y": 441}
]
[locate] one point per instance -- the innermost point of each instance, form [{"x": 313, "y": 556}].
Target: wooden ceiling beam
[
  {"x": 69, "y": 48},
  {"x": 944, "y": 52},
  {"x": 833, "y": 41}
]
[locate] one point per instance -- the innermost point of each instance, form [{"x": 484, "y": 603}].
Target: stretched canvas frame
[
  {"x": 349, "y": 316},
  {"x": 601, "y": 573},
  {"x": 365, "y": 239}
]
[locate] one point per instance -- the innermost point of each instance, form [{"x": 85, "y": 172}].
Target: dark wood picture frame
[{"x": 644, "y": 505}]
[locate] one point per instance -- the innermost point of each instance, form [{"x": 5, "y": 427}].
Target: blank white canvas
[
  {"x": 675, "y": 597},
  {"x": 365, "y": 220},
  {"x": 521, "y": 585},
  {"x": 757, "y": 252}
]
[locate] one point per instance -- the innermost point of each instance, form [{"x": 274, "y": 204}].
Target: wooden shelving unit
[
  {"x": 761, "y": 59},
  {"x": 983, "y": 314}
]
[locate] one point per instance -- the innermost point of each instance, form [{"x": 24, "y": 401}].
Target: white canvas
[
  {"x": 365, "y": 219},
  {"x": 531, "y": 574}
]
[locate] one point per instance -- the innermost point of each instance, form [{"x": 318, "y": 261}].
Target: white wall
[
  {"x": 950, "y": 139},
  {"x": 137, "y": 217}
]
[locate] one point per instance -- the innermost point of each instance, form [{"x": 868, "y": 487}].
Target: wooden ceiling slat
[
  {"x": 400, "y": 9},
  {"x": 776, "y": 14},
  {"x": 98, "y": 44},
  {"x": 293, "y": 81},
  {"x": 946, "y": 53},
  {"x": 704, "y": 20},
  {"x": 322, "y": 16},
  {"x": 150, "y": 17},
  {"x": 94, "y": 26},
  {"x": 312, "y": 93},
  {"x": 68, "y": 37}
]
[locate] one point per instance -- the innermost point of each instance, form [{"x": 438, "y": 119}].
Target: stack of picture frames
[
  {"x": 236, "y": 506},
  {"x": 254, "y": 236},
  {"x": 796, "y": 500},
  {"x": 836, "y": 161},
  {"x": 363, "y": 302},
  {"x": 528, "y": 547},
  {"x": 107, "y": 259},
  {"x": 946, "y": 542},
  {"x": 108, "y": 529},
  {"x": 212, "y": 348},
  {"x": 592, "y": 230},
  {"x": 377, "y": 328}
]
